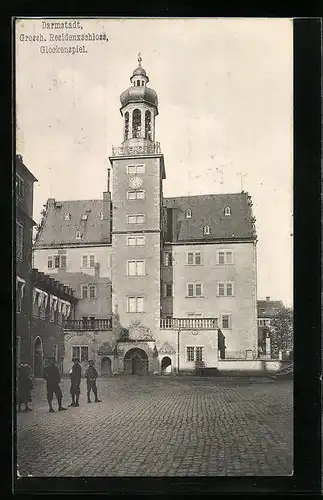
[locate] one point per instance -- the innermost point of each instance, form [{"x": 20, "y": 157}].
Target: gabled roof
[
  {"x": 56, "y": 230},
  {"x": 208, "y": 210},
  {"x": 75, "y": 280},
  {"x": 267, "y": 308}
]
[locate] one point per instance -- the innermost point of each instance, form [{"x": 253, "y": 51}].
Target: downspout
[{"x": 178, "y": 332}]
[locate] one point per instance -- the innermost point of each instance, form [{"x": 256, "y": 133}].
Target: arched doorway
[
  {"x": 38, "y": 358},
  {"x": 166, "y": 365},
  {"x": 136, "y": 362},
  {"x": 106, "y": 367}
]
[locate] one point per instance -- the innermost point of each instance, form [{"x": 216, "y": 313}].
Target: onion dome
[{"x": 139, "y": 92}]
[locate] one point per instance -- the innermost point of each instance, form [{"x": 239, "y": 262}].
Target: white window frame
[
  {"x": 84, "y": 217},
  {"x": 168, "y": 258},
  {"x": 20, "y": 187},
  {"x": 136, "y": 263},
  {"x": 136, "y": 238},
  {"x": 190, "y": 349},
  {"x": 201, "y": 349},
  {"x": 67, "y": 216},
  {"x": 101, "y": 215},
  {"x": 206, "y": 229},
  {"x": 87, "y": 287},
  {"x": 188, "y": 213},
  {"x": 136, "y": 297},
  {"x": 194, "y": 284},
  {"x": 79, "y": 348},
  {"x": 225, "y": 286},
  {"x": 165, "y": 290},
  {"x": 230, "y": 321},
  {"x": 227, "y": 211},
  {"x": 136, "y": 169},
  {"x": 78, "y": 235},
  {"x": 51, "y": 258},
  {"x": 225, "y": 252},
  {"x": 88, "y": 257},
  {"x": 19, "y": 240},
  {"x": 194, "y": 253},
  {"x": 136, "y": 193},
  {"x": 136, "y": 216}
]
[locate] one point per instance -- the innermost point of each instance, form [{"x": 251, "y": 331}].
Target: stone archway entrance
[
  {"x": 106, "y": 366},
  {"x": 38, "y": 358},
  {"x": 166, "y": 365},
  {"x": 136, "y": 362}
]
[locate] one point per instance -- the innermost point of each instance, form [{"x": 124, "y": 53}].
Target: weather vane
[{"x": 139, "y": 59}]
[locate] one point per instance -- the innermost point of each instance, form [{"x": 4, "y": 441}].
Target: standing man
[
  {"x": 53, "y": 379},
  {"x": 76, "y": 376},
  {"x": 91, "y": 376},
  {"x": 25, "y": 386}
]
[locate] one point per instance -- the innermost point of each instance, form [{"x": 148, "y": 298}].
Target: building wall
[
  {"x": 242, "y": 335},
  {"x": 147, "y": 286},
  {"x": 74, "y": 259},
  {"x": 50, "y": 334}
]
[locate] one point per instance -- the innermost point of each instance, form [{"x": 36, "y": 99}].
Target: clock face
[{"x": 135, "y": 182}]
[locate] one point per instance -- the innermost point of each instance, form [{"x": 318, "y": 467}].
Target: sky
[{"x": 225, "y": 123}]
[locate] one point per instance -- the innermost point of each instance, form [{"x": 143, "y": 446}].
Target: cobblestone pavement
[{"x": 161, "y": 426}]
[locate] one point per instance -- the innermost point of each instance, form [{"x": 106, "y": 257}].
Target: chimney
[
  {"x": 51, "y": 203},
  {"x": 267, "y": 299},
  {"x": 106, "y": 222}
]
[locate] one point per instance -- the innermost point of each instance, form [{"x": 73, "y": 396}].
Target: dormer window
[
  {"x": 206, "y": 230},
  {"x": 101, "y": 215},
  {"x": 84, "y": 217},
  {"x": 67, "y": 216},
  {"x": 78, "y": 235},
  {"x": 227, "y": 211},
  {"x": 188, "y": 213}
]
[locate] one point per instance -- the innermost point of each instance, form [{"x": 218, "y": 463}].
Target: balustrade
[
  {"x": 89, "y": 324},
  {"x": 189, "y": 323},
  {"x": 145, "y": 149}
]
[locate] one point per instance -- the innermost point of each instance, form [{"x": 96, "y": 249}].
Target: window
[
  {"x": 136, "y": 219},
  {"x": 225, "y": 257},
  {"x": 225, "y": 321},
  {"x": 227, "y": 211},
  {"x": 194, "y": 353},
  {"x": 84, "y": 217},
  {"x": 136, "y": 240},
  {"x": 168, "y": 259},
  {"x": 136, "y": 123},
  {"x": 206, "y": 230},
  {"x": 138, "y": 194},
  {"x": 226, "y": 289},
  {"x": 101, "y": 215},
  {"x": 126, "y": 125},
  {"x": 168, "y": 290},
  {"x": 194, "y": 290},
  {"x": 88, "y": 260},
  {"x": 42, "y": 311},
  {"x": 67, "y": 216},
  {"x": 136, "y": 169},
  {"x": 193, "y": 258},
  {"x": 190, "y": 353},
  {"x": 188, "y": 213},
  {"x": 136, "y": 268},
  {"x": 194, "y": 315},
  {"x": 56, "y": 261},
  {"x": 147, "y": 124},
  {"x": 20, "y": 294},
  {"x": 80, "y": 352},
  {"x": 135, "y": 304},
  {"x": 78, "y": 235},
  {"x": 20, "y": 187},
  {"x": 88, "y": 291},
  {"x": 19, "y": 240}
]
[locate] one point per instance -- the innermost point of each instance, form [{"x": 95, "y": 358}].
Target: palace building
[{"x": 164, "y": 285}]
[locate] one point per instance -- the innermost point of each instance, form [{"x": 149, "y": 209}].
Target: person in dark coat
[
  {"x": 75, "y": 376},
  {"x": 53, "y": 379},
  {"x": 25, "y": 386},
  {"x": 91, "y": 375}
]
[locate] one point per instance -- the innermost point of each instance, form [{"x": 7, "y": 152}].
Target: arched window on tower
[
  {"x": 138, "y": 83},
  {"x": 188, "y": 213},
  {"x": 227, "y": 211},
  {"x": 148, "y": 125},
  {"x": 136, "y": 123},
  {"x": 126, "y": 126}
]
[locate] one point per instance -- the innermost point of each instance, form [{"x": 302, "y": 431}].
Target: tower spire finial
[{"x": 139, "y": 59}]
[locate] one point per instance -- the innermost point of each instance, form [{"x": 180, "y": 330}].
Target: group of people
[{"x": 53, "y": 380}]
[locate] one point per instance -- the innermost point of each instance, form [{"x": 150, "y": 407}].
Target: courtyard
[{"x": 161, "y": 426}]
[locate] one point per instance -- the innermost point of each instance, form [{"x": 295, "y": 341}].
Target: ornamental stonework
[
  {"x": 105, "y": 349},
  {"x": 139, "y": 332},
  {"x": 167, "y": 349}
]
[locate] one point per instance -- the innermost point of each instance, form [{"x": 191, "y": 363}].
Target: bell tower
[{"x": 137, "y": 174}]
